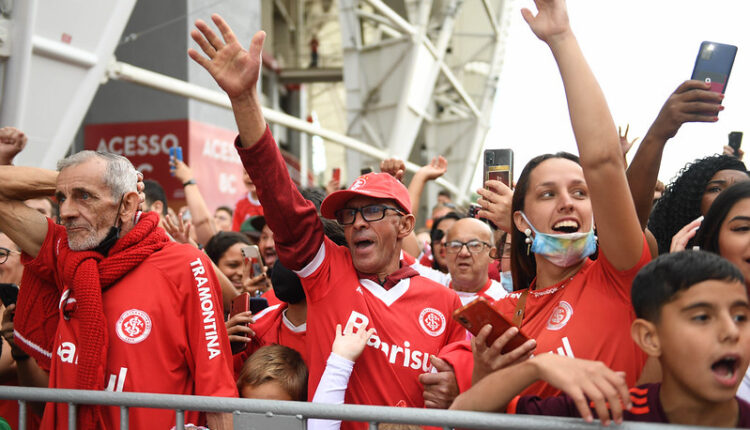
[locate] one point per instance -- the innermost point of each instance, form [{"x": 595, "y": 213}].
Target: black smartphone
[
  {"x": 8, "y": 294},
  {"x": 713, "y": 64},
  {"x": 498, "y": 166},
  {"x": 735, "y": 140},
  {"x": 257, "y": 304},
  {"x": 365, "y": 170}
]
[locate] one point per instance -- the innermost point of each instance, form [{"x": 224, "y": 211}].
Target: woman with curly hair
[{"x": 691, "y": 193}]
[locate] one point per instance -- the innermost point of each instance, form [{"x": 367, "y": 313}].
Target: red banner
[{"x": 208, "y": 150}]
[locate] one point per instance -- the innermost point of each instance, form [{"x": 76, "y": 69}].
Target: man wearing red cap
[{"x": 361, "y": 285}]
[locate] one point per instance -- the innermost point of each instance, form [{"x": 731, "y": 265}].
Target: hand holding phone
[
  {"x": 336, "y": 174},
  {"x": 176, "y": 153},
  {"x": 713, "y": 64},
  {"x": 478, "y": 314}
]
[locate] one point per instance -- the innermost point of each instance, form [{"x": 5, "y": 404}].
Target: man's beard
[{"x": 90, "y": 241}]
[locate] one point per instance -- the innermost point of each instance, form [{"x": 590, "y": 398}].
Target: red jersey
[
  {"x": 412, "y": 319},
  {"x": 244, "y": 209},
  {"x": 165, "y": 332},
  {"x": 587, "y": 316},
  {"x": 272, "y": 327}
]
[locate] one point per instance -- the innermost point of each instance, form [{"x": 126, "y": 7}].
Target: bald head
[
  {"x": 482, "y": 231},
  {"x": 469, "y": 269}
]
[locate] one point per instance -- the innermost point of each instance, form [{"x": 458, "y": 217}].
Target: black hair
[
  {"x": 155, "y": 192},
  {"x": 221, "y": 241},
  {"x": 226, "y": 209},
  {"x": 708, "y": 234},
  {"x": 681, "y": 201},
  {"x": 333, "y": 231},
  {"x": 445, "y": 193},
  {"x": 314, "y": 194},
  {"x": 434, "y": 231},
  {"x": 659, "y": 282},
  {"x": 523, "y": 265}
]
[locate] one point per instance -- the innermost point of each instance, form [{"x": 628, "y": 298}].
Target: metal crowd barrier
[{"x": 300, "y": 411}]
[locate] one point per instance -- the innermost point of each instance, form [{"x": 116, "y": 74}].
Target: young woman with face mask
[{"x": 572, "y": 305}]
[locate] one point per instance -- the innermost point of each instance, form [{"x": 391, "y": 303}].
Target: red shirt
[
  {"x": 412, "y": 319},
  {"x": 587, "y": 316},
  {"x": 272, "y": 327},
  {"x": 244, "y": 209},
  {"x": 165, "y": 332}
]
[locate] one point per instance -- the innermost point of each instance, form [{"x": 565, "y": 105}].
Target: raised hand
[
  {"x": 495, "y": 201},
  {"x": 551, "y": 21},
  {"x": 692, "y": 101},
  {"x": 350, "y": 344},
  {"x": 686, "y": 233},
  {"x": 394, "y": 167},
  {"x": 235, "y": 69},
  {"x": 179, "y": 229},
  {"x": 12, "y": 141},
  {"x": 435, "y": 168},
  {"x": 625, "y": 144}
]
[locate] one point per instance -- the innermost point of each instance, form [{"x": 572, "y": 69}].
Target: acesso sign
[{"x": 140, "y": 145}]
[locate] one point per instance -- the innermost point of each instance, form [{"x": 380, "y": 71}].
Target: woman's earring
[{"x": 528, "y": 240}]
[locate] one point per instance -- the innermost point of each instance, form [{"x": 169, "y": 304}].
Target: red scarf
[{"x": 88, "y": 273}]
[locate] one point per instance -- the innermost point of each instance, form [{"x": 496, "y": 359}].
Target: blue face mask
[
  {"x": 507, "y": 281},
  {"x": 563, "y": 250}
]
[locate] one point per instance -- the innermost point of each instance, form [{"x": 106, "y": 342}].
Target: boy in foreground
[{"x": 692, "y": 315}]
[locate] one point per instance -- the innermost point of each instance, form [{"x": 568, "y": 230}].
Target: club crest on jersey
[
  {"x": 133, "y": 326},
  {"x": 359, "y": 182},
  {"x": 560, "y": 316},
  {"x": 432, "y": 321}
]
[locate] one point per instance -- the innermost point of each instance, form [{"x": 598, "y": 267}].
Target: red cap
[{"x": 375, "y": 185}]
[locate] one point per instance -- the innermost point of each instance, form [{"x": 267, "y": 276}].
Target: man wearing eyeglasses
[
  {"x": 468, "y": 245},
  {"x": 362, "y": 285}
]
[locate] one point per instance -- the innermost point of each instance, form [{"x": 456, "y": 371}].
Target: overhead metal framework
[{"x": 422, "y": 74}]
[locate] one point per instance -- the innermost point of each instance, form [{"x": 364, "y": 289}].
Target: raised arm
[
  {"x": 23, "y": 225},
  {"x": 429, "y": 172},
  {"x": 236, "y": 70},
  {"x": 619, "y": 232},
  {"x": 690, "y": 102},
  {"x": 202, "y": 221},
  {"x": 298, "y": 232}
]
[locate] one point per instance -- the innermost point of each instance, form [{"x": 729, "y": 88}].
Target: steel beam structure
[{"x": 422, "y": 74}]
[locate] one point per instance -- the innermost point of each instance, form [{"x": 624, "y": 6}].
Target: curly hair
[{"x": 681, "y": 201}]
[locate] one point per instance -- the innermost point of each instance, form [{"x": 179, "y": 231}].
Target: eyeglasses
[
  {"x": 5, "y": 253},
  {"x": 474, "y": 246},
  {"x": 370, "y": 213}
]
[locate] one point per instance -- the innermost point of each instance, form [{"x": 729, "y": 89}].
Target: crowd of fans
[{"x": 632, "y": 296}]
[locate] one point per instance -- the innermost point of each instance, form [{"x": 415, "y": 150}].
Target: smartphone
[
  {"x": 176, "y": 152},
  {"x": 257, "y": 304},
  {"x": 479, "y": 313},
  {"x": 8, "y": 293},
  {"x": 252, "y": 257},
  {"x": 713, "y": 64},
  {"x": 336, "y": 175},
  {"x": 498, "y": 166},
  {"x": 735, "y": 140},
  {"x": 365, "y": 170},
  {"x": 240, "y": 304}
]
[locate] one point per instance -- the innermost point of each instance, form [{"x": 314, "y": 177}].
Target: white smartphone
[{"x": 252, "y": 257}]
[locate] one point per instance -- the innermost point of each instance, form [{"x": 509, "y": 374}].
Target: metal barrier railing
[{"x": 301, "y": 410}]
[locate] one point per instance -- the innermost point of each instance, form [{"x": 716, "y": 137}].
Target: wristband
[{"x": 189, "y": 182}]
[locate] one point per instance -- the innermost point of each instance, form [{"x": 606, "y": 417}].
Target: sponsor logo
[
  {"x": 560, "y": 316},
  {"x": 432, "y": 321},
  {"x": 116, "y": 382},
  {"x": 207, "y": 308},
  {"x": 409, "y": 358},
  {"x": 133, "y": 326},
  {"x": 67, "y": 352},
  {"x": 358, "y": 183}
]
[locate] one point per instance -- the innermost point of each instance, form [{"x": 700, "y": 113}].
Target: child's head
[
  {"x": 274, "y": 372},
  {"x": 692, "y": 314}
]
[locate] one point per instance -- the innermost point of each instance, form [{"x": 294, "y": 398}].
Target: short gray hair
[{"x": 119, "y": 175}]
